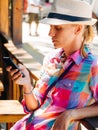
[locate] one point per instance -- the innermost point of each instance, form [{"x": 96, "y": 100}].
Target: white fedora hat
[{"x": 70, "y": 12}]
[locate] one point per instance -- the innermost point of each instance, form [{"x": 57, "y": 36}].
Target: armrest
[{"x": 90, "y": 123}]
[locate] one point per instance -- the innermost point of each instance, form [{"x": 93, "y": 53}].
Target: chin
[{"x": 56, "y": 47}]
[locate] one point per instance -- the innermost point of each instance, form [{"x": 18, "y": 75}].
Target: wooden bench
[{"x": 10, "y": 112}]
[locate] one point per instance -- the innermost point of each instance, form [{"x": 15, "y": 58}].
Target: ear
[{"x": 78, "y": 29}]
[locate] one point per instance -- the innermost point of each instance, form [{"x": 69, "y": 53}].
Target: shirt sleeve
[
  {"x": 39, "y": 90},
  {"x": 50, "y": 66},
  {"x": 26, "y": 110},
  {"x": 94, "y": 79},
  {"x": 41, "y": 86},
  {"x": 42, "y": 83}
]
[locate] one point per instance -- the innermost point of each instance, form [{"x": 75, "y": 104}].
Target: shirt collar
[{"x": 77, "y": 57}]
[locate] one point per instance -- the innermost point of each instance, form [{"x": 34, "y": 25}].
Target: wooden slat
[
  {"x": 17, "y": 20},
  {"x": 10, "y": 111},
  {"x": 1, "y": 88},
  {"x": 4, "y": 25},
  {"x": 1, "y": 73}
]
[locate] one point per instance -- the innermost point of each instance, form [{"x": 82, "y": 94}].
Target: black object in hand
[{"x": 9, "y": 62}]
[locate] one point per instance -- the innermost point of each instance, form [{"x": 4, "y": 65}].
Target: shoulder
[
  {"x": 91, "y": 57},
  {"x": 95, "y": 61}
]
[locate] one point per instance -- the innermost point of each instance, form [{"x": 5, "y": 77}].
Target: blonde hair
[{"x": 88, "y": 36}]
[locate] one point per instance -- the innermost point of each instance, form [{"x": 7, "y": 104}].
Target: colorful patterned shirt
[{"x": 75, "y": 90}]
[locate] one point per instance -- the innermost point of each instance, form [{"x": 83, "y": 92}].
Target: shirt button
[{"x": 69, "y": 84}]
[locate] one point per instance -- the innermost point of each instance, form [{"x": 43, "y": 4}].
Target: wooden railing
[{"x": 90, "y": 123}]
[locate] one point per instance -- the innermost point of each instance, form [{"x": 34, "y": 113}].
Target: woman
[
  {"x": 33, "y": 10},
  {"x": 71, "y": 95}
]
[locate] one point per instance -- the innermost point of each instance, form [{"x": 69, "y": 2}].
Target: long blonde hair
[{"x": 88, "y": 36}]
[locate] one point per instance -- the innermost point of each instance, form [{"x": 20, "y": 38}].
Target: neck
[{"x": 76, "y": 45}]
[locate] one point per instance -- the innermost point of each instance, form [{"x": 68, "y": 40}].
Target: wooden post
[
  {"x": 4, "y": 25},
  {"x": 17, "y": 21}
]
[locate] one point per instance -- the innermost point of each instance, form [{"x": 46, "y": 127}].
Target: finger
[
  {"x": 19, "y": 80},
  {"x": 12, "y": 72},
  {"x": 57, "y": 126},
  {"x": 16, "y": 76},
  {"x": 8, "y": 68}
]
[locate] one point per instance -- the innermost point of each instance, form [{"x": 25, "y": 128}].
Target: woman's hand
[
  {"x": 17, "y": 75},
  {"x": 63, "y": 120}
]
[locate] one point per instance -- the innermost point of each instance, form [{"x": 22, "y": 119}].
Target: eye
[{"x": 58, "y": 28}]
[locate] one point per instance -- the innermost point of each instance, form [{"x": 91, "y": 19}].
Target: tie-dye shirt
[{"x": 75, "y": 90}]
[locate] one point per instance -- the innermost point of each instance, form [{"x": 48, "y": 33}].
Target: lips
[{"x": 54, "y": 40}]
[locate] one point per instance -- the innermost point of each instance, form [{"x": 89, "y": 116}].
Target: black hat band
[{"x": 67, "y": 17}]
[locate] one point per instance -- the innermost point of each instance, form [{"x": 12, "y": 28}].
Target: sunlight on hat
[{"x": 70, "y": 12}]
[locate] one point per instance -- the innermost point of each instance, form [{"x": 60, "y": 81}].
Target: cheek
[{"x": 64, "y": 37}]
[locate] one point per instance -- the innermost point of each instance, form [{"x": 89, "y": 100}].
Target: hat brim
[{"x": 52, "y": 21}]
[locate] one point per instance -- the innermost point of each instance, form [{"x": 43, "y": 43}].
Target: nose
[{"x": 52, "y": 31}]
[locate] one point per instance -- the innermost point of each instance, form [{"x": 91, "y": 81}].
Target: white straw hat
[{"x": 70, "y": 12}]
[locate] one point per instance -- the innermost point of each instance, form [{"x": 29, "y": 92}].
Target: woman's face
[{"x": 64, "y": 36}]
